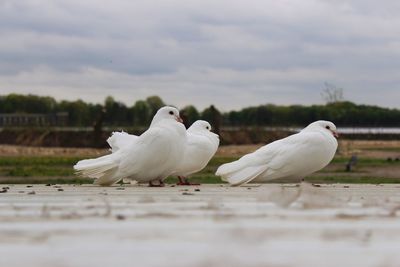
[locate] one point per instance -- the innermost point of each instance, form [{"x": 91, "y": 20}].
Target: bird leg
[
  {"x": 184, "y": 181},
  {"x": 181, "y": 180}
]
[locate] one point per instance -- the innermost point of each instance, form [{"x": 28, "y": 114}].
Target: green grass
[
  {"x": 37, "y": 166},
  {"x": 59, "y": 170},
  {"x": 47, "y": 161},
  {"x": 40, "y": 170},
  {"x": 366, "y": 161}
]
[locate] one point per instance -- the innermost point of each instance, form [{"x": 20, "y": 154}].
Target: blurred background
[{"x": 42, "y": 138}]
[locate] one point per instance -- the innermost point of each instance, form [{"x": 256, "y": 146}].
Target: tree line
[{"x": 140, "y": 113}]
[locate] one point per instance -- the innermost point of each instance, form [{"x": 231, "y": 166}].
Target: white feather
[
  {"x": 295, "y": 156},
  {"x": 201, "y": 146},
  {"x": 151, "y": 156},
  {"x": 119, "y": 140}
]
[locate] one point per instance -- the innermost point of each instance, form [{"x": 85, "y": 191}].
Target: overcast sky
[{"x": 228, "y": 53}]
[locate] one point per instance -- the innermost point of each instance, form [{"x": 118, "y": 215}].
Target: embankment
[{"x": 73, "y": 137}]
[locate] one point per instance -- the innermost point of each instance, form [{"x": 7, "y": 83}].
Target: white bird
[
  {"x": 151, "y": 157},
  {"x": 201, "y": 146},
  {"x": 295, "y": 156}
]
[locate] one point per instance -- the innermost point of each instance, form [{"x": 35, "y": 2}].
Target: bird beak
[
  {"x": 179, "y": 119},
  {"x": 335, "y": 134}
]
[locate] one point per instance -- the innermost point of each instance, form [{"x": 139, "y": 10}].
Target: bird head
[
  {"x": 167, "y": 113},
  {"x": 326, "y": 126},
  {"x": 199, "y": 126}
]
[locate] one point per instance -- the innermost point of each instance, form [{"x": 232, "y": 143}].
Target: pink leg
[
  {"x": 181, "y": 180},
  {"x": 184, "y": 181}
]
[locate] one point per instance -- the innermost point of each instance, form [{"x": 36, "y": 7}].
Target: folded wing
[
  {"x": 276, "y": 160},
  {"x": 119, "y": 140}
]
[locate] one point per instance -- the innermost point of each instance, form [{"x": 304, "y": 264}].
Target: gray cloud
[{"x": 230, "y": 53}]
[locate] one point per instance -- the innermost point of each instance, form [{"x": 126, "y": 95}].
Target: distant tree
[
  {"x": 78, "y": 112},
  {"x": 233, "y": 118},
  {"x": 15, "y": 103},
  {"x": 343, "y": 113},
  {"x": 213, "y": 116},
  {"x": 189, "y": 114},
  {"x": 116, "y": 112},
  {"x": 154, "y": 103},
  {"x": 131, "y": 116},
  {"x": 98, "y": 127},
  {"x": 109, "y": 102},
  {"x": 142, "y": 113},
  {"x": 332, "y": 94},
  {"x": 263, "y": 115}
]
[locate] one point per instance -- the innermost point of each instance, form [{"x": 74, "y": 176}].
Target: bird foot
[
  {"x": 184, "y": 181},
  {"x": 187, "y": 183}
]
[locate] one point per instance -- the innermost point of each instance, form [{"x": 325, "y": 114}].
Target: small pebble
[
  {"x": 60, "y": 189},
  {"x": 29, "y": 186},
  {"x": 48, "y": 184},
  {"x": 3, "y": 191},
  {"x": 346, "y": 186},
  {"x": 120, "y": 188},
  {"x": 197, "y": 190},
  {"x": 316, "y": 185},
  {"x": 32, "y": 193},
  {"x": 187, "y": 194}
]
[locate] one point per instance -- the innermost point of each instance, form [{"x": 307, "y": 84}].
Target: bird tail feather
[
  {"x": 237, "y": 174},
  {"x": 102, "y": 169}
]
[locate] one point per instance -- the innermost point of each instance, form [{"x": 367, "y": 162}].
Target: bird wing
[
  {"x": 147, "y": 155},
  {"x": 276, "y": 159},
  {"x": 302, "y": 154},
  {"x": 196, "y": 142},
  {"x": 199, "y": 150},
  {"x": 119, "y": 140}
]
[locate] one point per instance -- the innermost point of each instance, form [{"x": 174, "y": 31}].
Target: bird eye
[
  {"x": 208, "y": 128},
  {"x": 171, "y": 113},
  {"x": 327, "y": 127}
]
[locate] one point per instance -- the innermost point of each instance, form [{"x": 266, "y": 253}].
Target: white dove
[
  {"x": 295, "y": 156},
  {"x": 201, "y": 146},
  {"x": 151, "y": 157}
]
